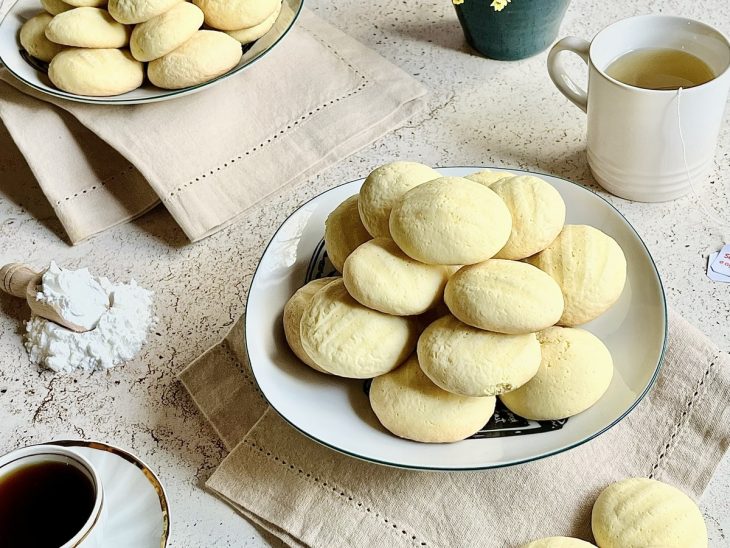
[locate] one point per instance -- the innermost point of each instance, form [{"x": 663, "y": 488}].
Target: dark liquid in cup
[
  {"x": 43, "y": 505},
  {"x": 660, "y": 68}
]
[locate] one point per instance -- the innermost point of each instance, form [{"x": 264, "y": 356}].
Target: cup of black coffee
[{"x": 50, "y": 497}]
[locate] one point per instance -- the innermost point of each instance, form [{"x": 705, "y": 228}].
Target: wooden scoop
[{"x": 23, "y": 282}]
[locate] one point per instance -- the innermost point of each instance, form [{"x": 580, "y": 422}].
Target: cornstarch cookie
[
  {"x": 538, "y": 215},
  {"x": 165, "y": 32},
  {"x": 487, "y": 177},
  {"x": 33, "y": 38},
  {"x": 95, "y": 72},
  {"x": 87, "y": 3},
  {"x": 383, "y": 187},
  {"x": 450, "y": 221},
  {"x": 558, "y": 542},
  {"x": 344, "y": 232},
  {"x": 87, "y": 28},
  {"x": 236, "y": 14},
  {"x": 410, "y": 406},
  {"x": 504, "y": 296},
  {"x": 131, "y": 12},
  {"x": 54, "y": 7},
  {"x": 380, "y": 276},
  {"x": 589, "y": 267},
  {"x": 642, "y": 512},
  {"x": 575, "y": 371},
  {"x": 472, "y": 362},
  {"x": 206, "y": 55},
  {"x": 251, "y": 34},
  {"x": 350, "y": 340},
  {"x": 293, "y": 311}
]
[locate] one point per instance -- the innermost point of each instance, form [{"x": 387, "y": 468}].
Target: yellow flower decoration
[{"x": 499, "y": 5}]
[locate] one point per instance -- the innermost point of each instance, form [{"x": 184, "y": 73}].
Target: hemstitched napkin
[
  {"x": 309, "y": 495},
  {"x": 316, "y": 98}
]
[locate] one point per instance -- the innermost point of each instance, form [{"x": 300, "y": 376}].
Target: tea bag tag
[
  {"x": 720, "y": 264},
  {"x": 714, "y": 276}
]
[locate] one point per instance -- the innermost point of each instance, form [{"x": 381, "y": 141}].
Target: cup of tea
[
  {"x": 656, "y": 94},
  {"x": 50, "y": 497}
]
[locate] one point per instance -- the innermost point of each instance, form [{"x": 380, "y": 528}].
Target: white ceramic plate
[
  {"x": 136, "y": 509},
  {"x": 33, "y": 72},
  {"x": 336, "y": 412}
]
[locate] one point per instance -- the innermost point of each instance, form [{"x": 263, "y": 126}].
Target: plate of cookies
[
  {"x": 456, "y": 318},
  {"x": 137, "y": 51}
]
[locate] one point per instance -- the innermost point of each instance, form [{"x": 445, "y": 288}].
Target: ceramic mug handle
[{"x": 559, "y": 75}]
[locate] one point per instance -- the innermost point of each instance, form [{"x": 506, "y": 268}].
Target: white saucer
[{"x": 137, "y": 511}]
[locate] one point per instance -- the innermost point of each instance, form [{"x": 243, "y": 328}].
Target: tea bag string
[{"x": 710, "y": 212}]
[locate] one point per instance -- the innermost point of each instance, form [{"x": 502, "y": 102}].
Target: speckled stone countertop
[{"x": 480, "y": 112}]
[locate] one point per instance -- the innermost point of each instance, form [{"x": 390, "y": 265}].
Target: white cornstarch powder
[
  {"x": 122, "y": 314},
  {"x": 76, "y": 294}
]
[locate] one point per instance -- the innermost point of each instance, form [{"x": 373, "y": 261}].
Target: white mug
[
  {"x": 90, "y": 534},
  {"x": 634, "y": 144}
]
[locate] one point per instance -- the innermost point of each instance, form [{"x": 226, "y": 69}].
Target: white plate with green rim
[
  {"x": 34, "y": 72},
  {"x": 336, "y": 412}
]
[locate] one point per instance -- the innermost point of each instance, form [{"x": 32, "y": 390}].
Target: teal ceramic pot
[{"x": 522, "y": 29}]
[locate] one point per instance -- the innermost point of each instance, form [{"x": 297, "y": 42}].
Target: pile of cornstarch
[{"x": 119, "y": 317}]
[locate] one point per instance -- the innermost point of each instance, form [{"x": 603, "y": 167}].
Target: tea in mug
[
  {"x": 44, "y": 504},
  {"x": 660, "y": 68}
]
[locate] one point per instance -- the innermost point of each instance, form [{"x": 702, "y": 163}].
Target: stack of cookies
[
  {"x": 455, "y": 291},
  {"x": 86, "y": 41}
]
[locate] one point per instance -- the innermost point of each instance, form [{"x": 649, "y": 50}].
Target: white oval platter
[{"x": 336, "y": 412}]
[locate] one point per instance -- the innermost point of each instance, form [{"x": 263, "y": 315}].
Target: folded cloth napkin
[
  {"x": 316, "y": 98},
  {"x": 309, "y": 495}
]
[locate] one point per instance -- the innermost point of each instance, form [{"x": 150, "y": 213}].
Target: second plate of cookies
[
  {"x": 455, "y": 318},
  {"x": 137, "y": 51}
]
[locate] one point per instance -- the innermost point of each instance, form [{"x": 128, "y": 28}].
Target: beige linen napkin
[
  {"x": 316, "y": 98},
  {"x": 309, "y": 495}
]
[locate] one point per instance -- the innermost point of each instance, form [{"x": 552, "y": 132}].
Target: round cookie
[
  {"x": 450, "y": 221},
  {"x": 165, "y": 32},
  {"x": 205, "y": 56},
  {"x": 131, "y": 12},
  {"x": 293, "y": 311},
  {"x": 87, "y": 28},
  {"x": 472, "y": 362},
  {"x": 380, "y": 276},
  {"x": 558, "y": 542},
  {"x": 575, "y": 371},
  {"x": 87, "y": 3},
  {"x": 236, "y": 14},
  {"x": 383, "y": 187},
  {"x": 410, "y": 406},
  {"x": 96, "y": 72},
  {"x": 504, "y": 296},
  {"x": 487, "y": 177},
  {"x": 33, "y": 38},
  {"x": 538, "y": 215},
  {"x": 641, "y": 512},
  {"x": 54, "y": 7},
  {"x": 251, "y": 34},
  {"x": 348, "y": 339},
  {"x": 589, "y": 267},
  {"x": 344, "y": 232}
]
